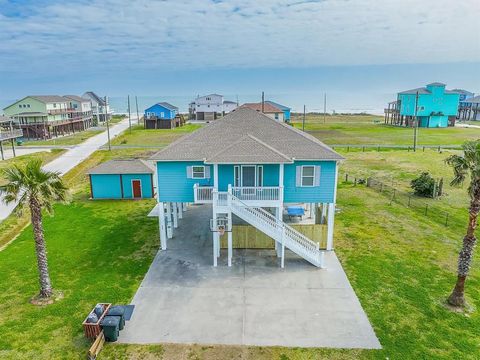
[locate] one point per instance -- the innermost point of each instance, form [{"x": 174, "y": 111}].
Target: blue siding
[
  {"x": 106, "y": 186},
  {"x": 159, "y": 109},
  {"x": 323, "y": 193},
  {"x": 146, "y": 182},
  {"x": 286, "y": 115},
  {"x": 173, "y": 184},
  {"x": 429, "y": 104}
]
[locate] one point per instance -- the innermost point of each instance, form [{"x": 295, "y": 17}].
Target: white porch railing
[
  {"x": 257, "y": 193},
  {"x": 202, "y": 194}
]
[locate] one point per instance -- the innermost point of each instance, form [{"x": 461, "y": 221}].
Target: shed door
[{"x": 137, "y": 189}]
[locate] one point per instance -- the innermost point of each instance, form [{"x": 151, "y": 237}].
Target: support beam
[
  {"x": 230, "y": 238},
  {"x": 278, "y": 245},
  {"x": 162, "y": 226},
  {"x": 324, "y": 213},
  {"x": 175, "y": 215},
  {"x": 330, "y": 221},
  {"x": 283, "y": 256},
  {"x": 169, "y": 220},
  {"x": 180, "y": 210},
  {"x": 1, "y": 150},
  {"x": 184, "y": 206}
]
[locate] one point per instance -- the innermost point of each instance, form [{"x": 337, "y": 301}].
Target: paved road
[{"x": 72, "y": 158}]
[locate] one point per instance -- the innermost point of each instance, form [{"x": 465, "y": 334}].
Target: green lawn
[
  {"x": 73, "y": 139},
  {"x": 158, "y": 138},
  {"x": 370, "y": 130},
  {"x": 401, "y": 266}
]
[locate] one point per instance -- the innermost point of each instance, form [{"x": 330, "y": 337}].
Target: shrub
[{"x": 424, "y": 185}]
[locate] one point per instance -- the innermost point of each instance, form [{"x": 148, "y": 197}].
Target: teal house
[
  {"x": 286, "y": 110},
  {"x": 433, "y": 105},
  {"x": 253, "y": 167},
  {"x": 121, "y": 179}
]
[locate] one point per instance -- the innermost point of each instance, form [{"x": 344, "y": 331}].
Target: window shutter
[
  {"x": 298, "y": 181},
  {"x": 207, "y": 172},
  {"x": 316, "y": 181},
  {"x": 189, "y": 172}
]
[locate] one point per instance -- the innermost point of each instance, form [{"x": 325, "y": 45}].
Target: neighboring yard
[
  {"x": 155, "y": 138},
  {"x": 73, "y": 139},
  {"x": 370, "y": 130}
]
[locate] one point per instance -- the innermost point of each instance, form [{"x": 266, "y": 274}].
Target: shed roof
[
  {"x": 245, "y": 135},
  {"x": 168, "y": 106},
  {"x": 267, "y": 108},
  {"x": 130, "y": 166}
]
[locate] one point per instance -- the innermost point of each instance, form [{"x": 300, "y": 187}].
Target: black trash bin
[
  {"x": 120, "y": 312},
  {"x": 110, "y": 326}
]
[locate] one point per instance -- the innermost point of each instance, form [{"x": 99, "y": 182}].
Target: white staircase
[{"x": 277, "y": 230}]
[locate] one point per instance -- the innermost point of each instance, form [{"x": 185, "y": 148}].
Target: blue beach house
[
  {"x": 162, "y": 116},
  {"x": 286, "y": 110},
  {"x": 433, "y": 106},
  {"x": 121, "y": 179},
  {"x": 250, "y": 166}
]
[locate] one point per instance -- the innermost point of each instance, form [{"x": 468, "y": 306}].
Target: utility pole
[
  {"x": 108, "y": 127},
  {"x": 415, "y": 125},
  {"x": 303, "y": 122},
  {"x": 129, "y": 115},
  {"x": 138, "y": 116},
  {"x": 324, "y": 108},
  {"x": 263, "y": 101}
]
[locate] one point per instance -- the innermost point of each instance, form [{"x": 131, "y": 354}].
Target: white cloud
[{"x": 179, "y": 34}]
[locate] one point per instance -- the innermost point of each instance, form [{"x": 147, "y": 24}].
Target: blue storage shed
[
  {"x": 122, "y": 179},
  {"x": 162, "y": 115}
]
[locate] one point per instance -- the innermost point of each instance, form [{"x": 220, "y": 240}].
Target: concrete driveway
[{"x": 184, "y": 299}]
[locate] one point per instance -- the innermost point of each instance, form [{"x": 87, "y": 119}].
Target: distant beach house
[
  {"x": 162, "y": 115},
  {"x": 47, "y": 116},
  {"x": 121, "y": 179},
  {"x": 251, "y": 166},
  {"x": 469, "y": 109},
  {"x": 100, "y": 109},
  {"x": 269, "y": 109},
  {"x": 432, "y": 105},
  {"x": 286, "y": 110},
  {"x": 210, "y": 107}
]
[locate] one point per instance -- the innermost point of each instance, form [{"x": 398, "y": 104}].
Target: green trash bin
[
  {"x": 110, "y": 326},
  {"x": 120, "y": 312}
]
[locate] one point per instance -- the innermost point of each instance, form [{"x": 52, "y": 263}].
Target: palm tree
[
  {"x": 32, "y": 186},
  {"x": 466, "y": 165}
]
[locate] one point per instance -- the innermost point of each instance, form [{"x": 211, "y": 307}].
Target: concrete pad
[{"x": 184, "y": 299}]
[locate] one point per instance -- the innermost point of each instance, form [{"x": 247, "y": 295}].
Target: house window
[
  {"x": 54, "y": 105},
  {"x": 28, "y": 105},
  {"x": 308, "y": 175},
  {"x": 276, "y": 116},
  {"x": 198, "y": 172},
  {"x": 236, "y": 176},
  {"x": 162, "y": 114}
]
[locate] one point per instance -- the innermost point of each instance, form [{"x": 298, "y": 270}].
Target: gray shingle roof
[
  {"x": 168, "y": 106},
  {"x": 131, "y": 166},
  {"x": 272, "y": 141},
  {"x": 76, "y": 98},
  {"x": 97, "y": 98},
  {"x": 421, "y": 90},
  {"x": 436, "y": 84},
  {"x": 48, "y": 98}
]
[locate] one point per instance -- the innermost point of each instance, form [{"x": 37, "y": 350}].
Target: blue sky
[{"x": 284, "y": 47}]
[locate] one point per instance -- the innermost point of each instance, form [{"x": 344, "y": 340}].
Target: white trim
[
  {"x": 258, "y": 184},
  {"x": 141, "y": 192},
  {"x": 235, "y": 182},
  {"x": 336, "y": 183}
]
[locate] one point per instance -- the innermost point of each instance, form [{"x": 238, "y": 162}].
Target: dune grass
[{"x": 153, "y": 137}]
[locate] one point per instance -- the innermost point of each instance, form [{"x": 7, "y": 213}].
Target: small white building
[
  {"x": 210, "y": 107},
  {"x": 268, "y": 109}
]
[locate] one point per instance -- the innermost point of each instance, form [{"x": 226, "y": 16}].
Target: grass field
[
  {"x": 158, "y": 138},
  {"x": 73, "y": 139},
  {"x": 370, "y": 130}
]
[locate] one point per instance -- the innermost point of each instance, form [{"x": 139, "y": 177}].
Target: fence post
[
  {"x": 408, "y": 149},
  {"x": 439, "y": 149},
  {"x": 381, "y": 187},
  {"x": 378, "y": 148},
  {"x": 426, "y": 210},
  {"x": 424, "y": 149},
  {"x": 348, "y": 148},
  {"x": 346, "y": 178},
  {"x": 363, "y": 148}
]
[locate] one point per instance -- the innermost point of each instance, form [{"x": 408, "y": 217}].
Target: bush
[{"x": 424, "y": 185}]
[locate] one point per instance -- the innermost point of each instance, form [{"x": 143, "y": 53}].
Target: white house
[
  {"x": 210, "y": 107},
  {"x": 268, "y": 109},
  {"x": 99, "y": 106}
]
